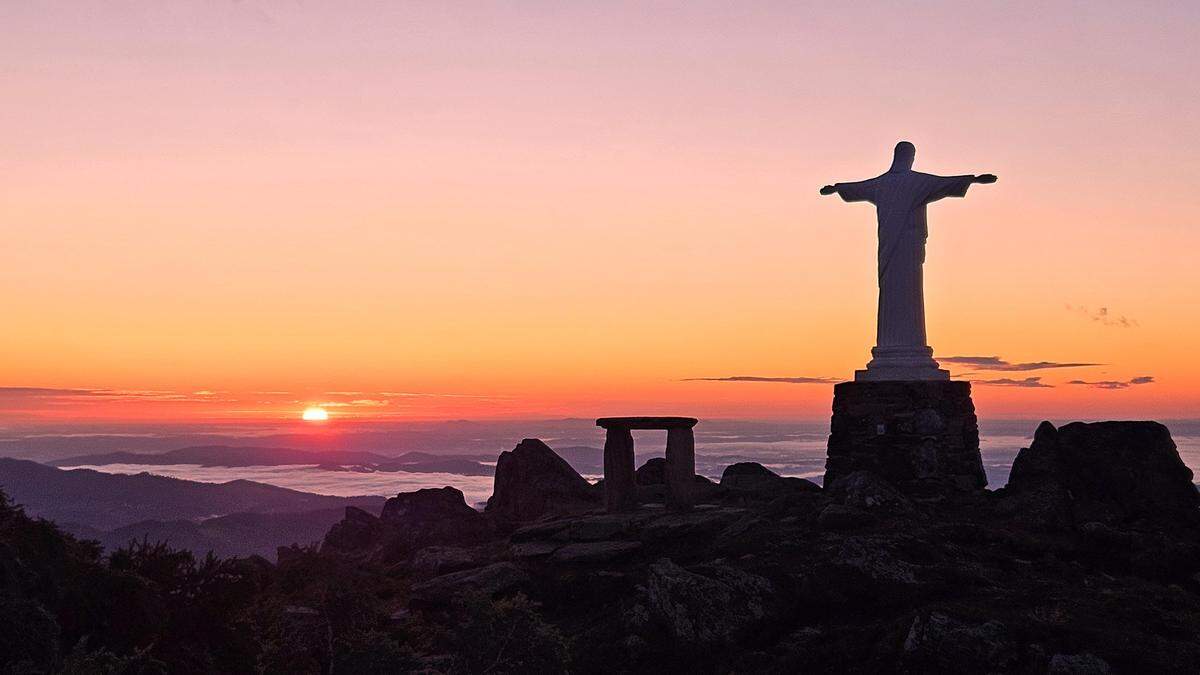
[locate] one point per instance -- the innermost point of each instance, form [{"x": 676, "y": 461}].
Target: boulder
[
  {"x": 358, "y": 530},
  {"x": 699, "y": 525},
  {"x": 490, "y": 581},
  {"x": 425, "y": 505},
  {"x": 839, "y": 517},
  {"x": 714, "y": 605},
  {"x": 755, "y": 477},
  {"x": 532, "y": 481},
  {"x": 653, "y": 472},
  {"x": 937, "y": 642},
  {"x": 434, "y": 560},
  {"x": 595, "y": 552},
  {"x": 1105, "y": 472},
  {"x": 1078, "y": 664},
  {"x": 596, "y": 528},
  {"x": 410, "y": 521}
]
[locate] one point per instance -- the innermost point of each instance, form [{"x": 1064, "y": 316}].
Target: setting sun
[{"x": 315, "y": 414}]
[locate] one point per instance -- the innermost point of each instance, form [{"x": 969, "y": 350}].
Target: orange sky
[{"x": 570, "y": 208}]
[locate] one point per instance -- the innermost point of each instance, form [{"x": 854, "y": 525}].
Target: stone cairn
[
  {"x": 620, "y": 490},
  {"x": 921, "y": 435}
]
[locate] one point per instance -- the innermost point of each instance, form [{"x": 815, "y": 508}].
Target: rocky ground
[{"x": 1087, "y": 562}]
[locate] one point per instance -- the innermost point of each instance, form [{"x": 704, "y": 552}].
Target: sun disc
[{"x": 314, "y": 414}]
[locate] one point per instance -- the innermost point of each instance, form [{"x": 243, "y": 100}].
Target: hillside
[
  {"x": 332, "y": 460},
  {"x": 235, "y": 535},
  {"x": 84, "y": 497},
  {"x": 227, "y": 455}
]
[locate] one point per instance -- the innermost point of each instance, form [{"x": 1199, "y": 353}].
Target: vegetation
[{"x": 148, "y": 609}]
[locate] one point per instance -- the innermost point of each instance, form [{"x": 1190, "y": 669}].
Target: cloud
[
  {"x": 58, "y": 393},
  {"x": 1104, "y": 317},
  {"x": 414, "y": 394},
  {"x": 1031, "y": 382},
  {"x": 1114, "y": 384},
  {"x": 759, "y": 378},
  {"x": 999, "y": 364},
  {"x": 356, "y": 403},
  {"x": 59, "y": 396},
  {"x": 43, "y": 392}
]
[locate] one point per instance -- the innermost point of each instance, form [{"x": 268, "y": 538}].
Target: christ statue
[{"x": 901, "y": 351}]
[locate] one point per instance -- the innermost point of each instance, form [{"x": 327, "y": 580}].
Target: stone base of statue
[
  {"x": 921, "y": 435},
  {"x": 901, "y": 364}
]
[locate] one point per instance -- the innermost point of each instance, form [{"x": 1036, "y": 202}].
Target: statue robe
[{"x": 900, "y": 197}]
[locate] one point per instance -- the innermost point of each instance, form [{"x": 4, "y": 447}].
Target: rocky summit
[{"x": 1087, "y": 562}]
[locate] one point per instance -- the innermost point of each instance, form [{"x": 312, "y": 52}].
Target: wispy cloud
[
  {"x": 356, "y": 403},
  {"x": 1114, "y": 384},
  {"x": 759, "y": 378},
  {"x": 1030, "y": 382},
  {"x": 42, "y": 392},
  {"x": 414, "y": 394},
  {"x": 998, "y": 364},
  {"x": 1103, "y": 316},
  {"x": 51, "y": 393}
]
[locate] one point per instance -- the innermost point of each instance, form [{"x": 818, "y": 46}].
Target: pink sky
[{"x": 570, "y": 208}]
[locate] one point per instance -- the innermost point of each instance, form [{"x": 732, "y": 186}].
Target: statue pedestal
[
  {"x": 901, "y": 364},
  {"x": 921, "y": 435}
]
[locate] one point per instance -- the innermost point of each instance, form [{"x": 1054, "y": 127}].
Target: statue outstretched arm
[
  {"x": 984, "y": 178},
  {"x": 860, "y": 191}
]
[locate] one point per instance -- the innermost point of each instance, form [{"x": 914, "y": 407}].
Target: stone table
[{"x": 620, "y": 491}]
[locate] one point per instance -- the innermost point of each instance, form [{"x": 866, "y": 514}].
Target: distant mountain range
[
  {"x": 237, "y": 518},
  {"x": 240, "y": 517},
  {"x": 239, "y": 534},
  {"x": 229, "y": 455}
]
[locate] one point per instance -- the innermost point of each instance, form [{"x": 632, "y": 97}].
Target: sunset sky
[{"x": 228, "y": 210}]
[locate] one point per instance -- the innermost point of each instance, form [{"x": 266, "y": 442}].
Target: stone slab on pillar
[
  {"x": 921, "y": 435},
  {"x": 620, "y": 492},
  {"x": 681, "y": 468}
]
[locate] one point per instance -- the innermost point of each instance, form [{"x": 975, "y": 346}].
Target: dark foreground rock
[
  {"x": 532, "y": 481},
  {"x": 1105, "y": 472},
  {"x": 1089, "y": 562},
  {"x": 410, "y": 522},
  {"x": 754, "y": 477},
  {"x": 1059, "y": 574}
]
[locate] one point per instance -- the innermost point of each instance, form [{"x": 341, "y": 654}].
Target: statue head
[{"x": 905, "y": 154}]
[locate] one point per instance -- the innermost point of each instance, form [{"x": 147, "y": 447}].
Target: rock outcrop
[
  {"x": 358, "y": 531},
  {"x": 409, "y": 522},
  {"x": 712, "y": 606},
  {"x": 1105, "y": 472},
  {"x": 756, "y": 477},
  {"x": 532, "y": 481},
  {"x": 427, "y": 505},
  {"x": 653, "y": 472},
  {"x": 1088, "y": 563},
  {"x": 487, "y": 581}
]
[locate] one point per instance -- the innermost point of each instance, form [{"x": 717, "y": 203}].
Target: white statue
[{"x": 900, "y": 196}]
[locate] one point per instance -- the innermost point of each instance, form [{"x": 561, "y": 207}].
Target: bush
[{"x": 505, "y": 636}]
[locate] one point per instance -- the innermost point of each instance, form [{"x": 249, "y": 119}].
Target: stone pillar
[
  {"x": 620, "y": 493},
  {"x": 681, "y": 468},
  {"x": 920, "y": 435}
]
